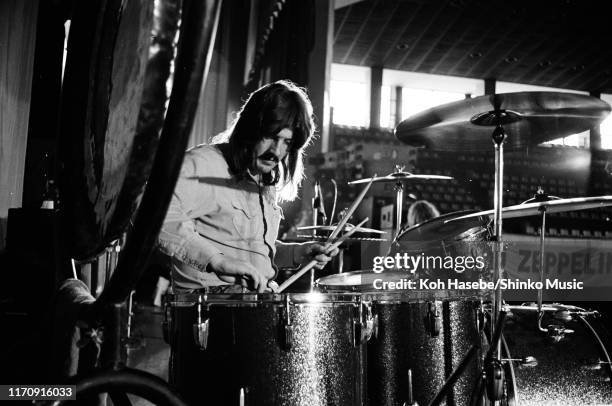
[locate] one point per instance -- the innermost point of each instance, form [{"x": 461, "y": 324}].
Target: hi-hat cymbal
[
  {"x": 347, "y": 227},
  {"x": 551, "y": 206},
  {"x": 536, "y": 117},
  {"x": 400, "y": 177}
]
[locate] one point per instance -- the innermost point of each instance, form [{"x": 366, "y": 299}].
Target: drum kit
[{"x": 347, "y": 343}]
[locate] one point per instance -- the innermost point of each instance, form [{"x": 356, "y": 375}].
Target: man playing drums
[
  {"x": 222, "y": 224},
  {"x": 221, "y": 230}
]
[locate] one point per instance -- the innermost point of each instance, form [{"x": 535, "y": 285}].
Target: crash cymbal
[
  {"x": 551, "y": 206},
  {"x": 529, "y": 118},
  {"x": 347, "y": 227},
  {"x": 399, "y": 177}
]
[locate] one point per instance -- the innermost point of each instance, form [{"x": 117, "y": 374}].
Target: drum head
[
  {"x": 371, "y": 285},
  {"x": 440, "y": 228},
  {"x": 115, "y": 91}
]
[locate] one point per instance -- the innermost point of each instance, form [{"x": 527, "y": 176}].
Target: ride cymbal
[
  {"x": 551, "y": 206},
  {"x": 529, "y": 118}
]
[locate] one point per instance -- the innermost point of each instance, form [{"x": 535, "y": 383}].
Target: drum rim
[
  {"x": 470, "y": 232},
  {"x": 255, "y": 299}
]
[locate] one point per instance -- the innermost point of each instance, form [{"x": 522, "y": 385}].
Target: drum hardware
[
  {"x": 433, "y": 321},
  {"x": 559, "y": 310},
  {"x": 167, "y": 323},
  {"x": 480, "y": 317},
  {"x": 364, "y": 327},
  {"x": 602, "y": 347},
  {"x": 333, "y": 211},
  {"x": 563, "y": 315},
  {"x": 494, "y": 373},
  {"x": 528, "y": 361},
  {"x": 438, "y": 127},
  {"x": 398, "y": 177},
  {"x": 318, "y": 208},
  {"x": 129, "y": 341},
  {"x": 565, "y": 371},
  {"x": 409, "y": 396},
  {"x": 339, "y": 228},
  {"x": 497, "y": 117},
  {"x": 448, "y": 384},
  {"x": 556, "y": 332},
  {"x": 349, "y": 212},
  {"x": 288, "y": 330},
  {"x": 335, "y": 245},
  {"x": 201, "y": 328}
]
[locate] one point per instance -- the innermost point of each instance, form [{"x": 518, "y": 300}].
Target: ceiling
[{"x": 555, "y": 43}]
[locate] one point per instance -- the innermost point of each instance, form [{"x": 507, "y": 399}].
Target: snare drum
[
  {"x": 269, "y": 349},
  {"x": 427, "y": 332},
  {"x": 572, "y": 369}
]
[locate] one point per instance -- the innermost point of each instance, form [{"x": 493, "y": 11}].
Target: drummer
[
  {"x": 421, "y": 211},
  {"x": 223, "y": 220}
]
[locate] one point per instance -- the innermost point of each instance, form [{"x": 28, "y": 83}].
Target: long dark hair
[
  {"x": 266, "y": 112},
  {"x": 421, "y": 211}
]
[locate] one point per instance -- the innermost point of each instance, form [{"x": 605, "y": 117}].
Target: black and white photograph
[{"x": 306, "y": 202}]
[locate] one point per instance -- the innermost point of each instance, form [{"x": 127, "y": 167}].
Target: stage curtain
[{"x": 17, "y": 42}]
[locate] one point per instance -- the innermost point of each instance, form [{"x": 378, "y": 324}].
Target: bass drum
[{"x": 569, "y": 369}]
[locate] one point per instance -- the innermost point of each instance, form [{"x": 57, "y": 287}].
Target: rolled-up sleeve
[{"x": 178, "y": 237}]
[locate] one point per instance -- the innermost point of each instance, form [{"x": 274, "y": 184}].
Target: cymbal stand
[
  {"x": 399, "y": 201},
  {"x": 498, "y": 136},
  {"x": 497, "y": 117}
]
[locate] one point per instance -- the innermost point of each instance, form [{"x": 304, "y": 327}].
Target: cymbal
[
  {"x": 399, "y": 177},
  {"x": 529, "y": 118},
  {"x": 347, "y": 227},
  {"x": 551, "y": 206}
]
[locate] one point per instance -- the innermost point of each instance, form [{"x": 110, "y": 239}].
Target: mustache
[{"x": 269, "y": 156}]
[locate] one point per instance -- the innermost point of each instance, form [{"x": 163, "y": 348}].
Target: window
[
  {"x": 416, "y": 100},
  {"x": 606, "y": 125},
  {"x": 349, "y": 90},
  {"x": 421, "y": 91}
]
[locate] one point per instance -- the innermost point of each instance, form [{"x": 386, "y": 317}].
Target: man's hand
[
  {"x": 233, "y": 270},
  {"x": 318, "y": 252}
]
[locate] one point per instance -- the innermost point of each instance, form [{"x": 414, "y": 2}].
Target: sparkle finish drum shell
[{"x": 321, "y": 363}]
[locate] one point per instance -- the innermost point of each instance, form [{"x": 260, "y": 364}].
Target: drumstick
[
  {"x": 350, "y": 211},
  {"x": 312, "y": 263}
]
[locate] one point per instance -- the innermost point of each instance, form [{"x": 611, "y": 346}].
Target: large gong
[{"x": 117, "y": 82}]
